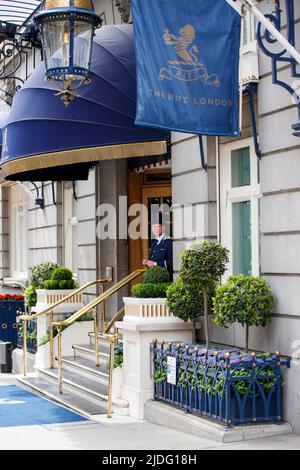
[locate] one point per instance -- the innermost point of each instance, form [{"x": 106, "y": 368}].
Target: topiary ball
[
  {"x": 156, "y": 275},
  {"x": 67, "y": 284},
  {"x": 62, "y": 274},
  {"x": 51, "y": 284}
]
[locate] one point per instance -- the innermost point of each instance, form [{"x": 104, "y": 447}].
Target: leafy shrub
[
  {"x": 156, "y": 275},
  {"x": 118, "y": 356},
  {"x": 150, "y": 291},
  {"x": 201, "y": 267},
  {"x": 244, "y": 299},
  {"x": 62, "y": 274},
  {"x": 41, "y": 272},
  {"x": 67, "y": 284},
  {"x": 204, "y": 263},
  {"x": 45, "y": 339},
  {"x": 50, "y": 284},
  {"x": 211, "y": 380},
  {"x": 30, "y": 296},
  {"x": 61, "y": 278},
  {"x": 186, "y": 301},
  {"x": 86, "y": 317}
]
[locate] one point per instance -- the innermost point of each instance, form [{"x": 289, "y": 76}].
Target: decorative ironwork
[
  {"x": 202, "y": 155},
  {"x": 31, "y": 336},
  {"x": 251, "y": 90},
  {"x": 14, "y": 51},
  {"x": 230, "y": 387},
  {"x": 267, "y": 42}
]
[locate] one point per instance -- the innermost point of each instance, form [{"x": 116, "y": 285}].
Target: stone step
[
  {"x": 85, "y": 366},
  {"x": 173, "y": 418},
  {"x": 102, "y": 342},
  {"x": 89, "y": 389},
  {"x": 102, "y": 338},
  {"x": 78, "y": 383},
  {"x": 48, "y": 389},
  {"x": 88, "y": 351}
]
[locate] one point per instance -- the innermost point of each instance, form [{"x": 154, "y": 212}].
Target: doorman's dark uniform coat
[{"x": 162, "y": 253}]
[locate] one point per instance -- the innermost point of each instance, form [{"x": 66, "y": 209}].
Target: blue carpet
[{"x": 21, "y": 408}]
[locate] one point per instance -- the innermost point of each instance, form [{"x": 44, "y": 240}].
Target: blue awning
[{"x": 46, "y": 140}]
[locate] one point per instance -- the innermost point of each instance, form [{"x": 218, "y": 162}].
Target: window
[
  {"x": 240, "y": 167},
  {"x": 250, "y": 26},
  {"x": 239, "y": 206},
  {"x": 241, "y": 238},
  {"x": 70, "y": 227},
  {"x": 18, "y": 240}
]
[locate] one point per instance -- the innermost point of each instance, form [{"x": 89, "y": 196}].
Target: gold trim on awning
[{"x": 86, "y": 155}]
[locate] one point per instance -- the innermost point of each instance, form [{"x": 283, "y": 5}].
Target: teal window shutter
[
  {"x": 240, "y": 167},
  {"x": 242, "y": 250}
]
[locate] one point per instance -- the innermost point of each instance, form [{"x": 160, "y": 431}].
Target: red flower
[{"x": 11, "y": 297}]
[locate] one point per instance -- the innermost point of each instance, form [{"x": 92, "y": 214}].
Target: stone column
[{"x": 138, "y": 332}]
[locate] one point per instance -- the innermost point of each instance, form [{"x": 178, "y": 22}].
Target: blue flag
[{"x": 188, "y": 65}]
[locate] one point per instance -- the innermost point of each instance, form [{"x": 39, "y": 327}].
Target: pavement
[{"x": 121, "y": 433}]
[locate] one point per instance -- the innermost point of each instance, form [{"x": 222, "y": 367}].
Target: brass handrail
[
  {"x": 64, "y": 299},
  {"x": 113, "y": 338},
  {"x": 102, "y": 298},
  {"x": 25, "y": 318},
  {"x": 118, "y": 315}
]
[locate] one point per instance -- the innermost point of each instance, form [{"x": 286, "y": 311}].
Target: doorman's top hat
[{"x": 157, "y": 218}]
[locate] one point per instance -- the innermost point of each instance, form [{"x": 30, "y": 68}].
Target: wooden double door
[{"x": 155, "y": 197}]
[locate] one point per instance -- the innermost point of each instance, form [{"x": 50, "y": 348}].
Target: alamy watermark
[{"x": 120, "y": 222}]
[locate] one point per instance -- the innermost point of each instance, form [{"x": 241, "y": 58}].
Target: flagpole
[{"x": 272, "y": 30}]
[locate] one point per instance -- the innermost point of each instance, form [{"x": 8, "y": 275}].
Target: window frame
[
  {"x": 19, "y": 238},
  {"x": 229, "y": 195}
]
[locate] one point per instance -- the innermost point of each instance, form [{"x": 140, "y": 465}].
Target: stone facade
[
  {"x": 278, "y": 227},
  {"x": 279, "y": 223}
]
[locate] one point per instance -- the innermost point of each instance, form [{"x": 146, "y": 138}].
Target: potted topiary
[
  {"x": 58, "y": 285},
  {"x": 39, "y": 274},
  {"x": 149, "y": 299},
  {"x": 247, "y": 300},
  {"x": 186, "y": 301},
  {"x": 201, "y": 267}
]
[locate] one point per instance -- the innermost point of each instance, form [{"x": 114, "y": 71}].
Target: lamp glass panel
[
  {"x": 56, "y": 36},
  {"x": 83, "y": 39}
]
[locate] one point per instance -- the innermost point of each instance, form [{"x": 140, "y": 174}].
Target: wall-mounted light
[{"x": 67, "y": 29}]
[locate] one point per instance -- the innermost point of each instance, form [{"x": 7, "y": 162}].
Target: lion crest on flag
[{"x": 189, "y": 67}]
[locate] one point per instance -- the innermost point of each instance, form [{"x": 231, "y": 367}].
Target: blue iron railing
[
  {"x": 230, "y": 387},
  {"x": 31, "y": 335}
]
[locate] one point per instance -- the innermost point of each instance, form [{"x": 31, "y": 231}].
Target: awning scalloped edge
[{"x": 83, "y": 155}]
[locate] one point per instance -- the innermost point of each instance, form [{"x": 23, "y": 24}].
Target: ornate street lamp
[{"x": 67, "y": 29}]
